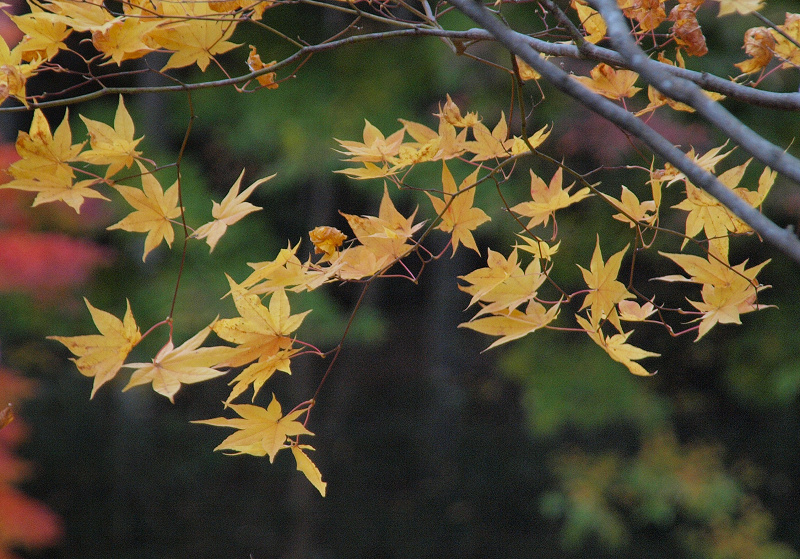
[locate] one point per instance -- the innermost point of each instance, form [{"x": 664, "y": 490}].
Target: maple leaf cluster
[
  {"x": 193, "y": 32},
  {"x": 262, "y": 338},
  {"x": 514, "y": 295}
]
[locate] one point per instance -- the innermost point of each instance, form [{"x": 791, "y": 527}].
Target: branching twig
[
  {"x": 783, "y": 239},
  {"x": 688, "y": 93}
]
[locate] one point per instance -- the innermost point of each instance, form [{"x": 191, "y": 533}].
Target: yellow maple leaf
[
  {"x": 742, "y": 7},
  {"x": 451, "y": 114},
  {"x": 727, "y": 292},
  {"x": 80, "y": 16},
  {"x": 13, "y": 73},
  {"x": 459, "y": 217},
  {"x": 617, "y": 347},
  {"x": 484, "y": 280},
  {"x": 194, "y": 36},
  {"x": 154, "y": 211},
  {"x": 286, "y": 271},
  {"x": 714, "y": 219},
  {"x": 605, "y": 291},
  {"x": 547, "y": 199},
  {"x": 724, "y": 305},
  {"x": 526, "y": 72},
  {"x": 115, "y": 146},
  {"x": 43, "y": 36},
  {"x": 538, "y": 247},
  {"x": 309, "y": 469},
  {"x": 447, "y": 143},
  {"x": 44, "y": 165},
  {"x": 259, "y": 431},
  {"x": 101, "y": 355},
  {"x": 786, "y": 38},
  {"x": 368, "y": 171},
  {"x": 489, "y": 145},
  {"x": 174, "y": 366},
  {"x": 708, "y": 161},
  {"x": 592, "y": 22},
  {"x": 260, "y": 372},
  {"x": 57, "y": 187},
  {"x": 611, "y": 83},
  {"x": 376, "y": 147},
  {"x": 260, "y": 332},
  {"x": 514, "y": 288},
  {"x": 513, "y": 324},
  {"x": 387, "y": 235},
  {"x": 632, "y": 311},
  {"x": 43, "y": 152},
  {"x": 633, "y": 211},
  {"x": 124, "y": 38},
  {"x": 232, "y": 208}
]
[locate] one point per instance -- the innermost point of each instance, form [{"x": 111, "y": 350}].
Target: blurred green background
[{"x": 431, "y": 448}]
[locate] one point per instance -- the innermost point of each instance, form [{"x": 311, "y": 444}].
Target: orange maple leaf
[
  {"x": 101, "y": 355},
  {"x": 611, "y": 83},
  {"x": 648, "y": 13},
  {"x": 6, "y": 416},
  {"x": 759, "y": 44},
  {"x": 456, "y": 211},
  {"x": 686, "y": 30},
  {"x": 326, "y": 240},
  {"x": 255, "y": 64}
]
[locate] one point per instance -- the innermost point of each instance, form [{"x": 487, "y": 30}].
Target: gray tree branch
[
  {"x": 783, "y": 239},
  {"x": 689, "y": 93}
]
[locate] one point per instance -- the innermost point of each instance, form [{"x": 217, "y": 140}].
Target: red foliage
[
  {"x": 24, "y": 522},
  {"x": 43, "y": 265},
  {"x": 590, "y": 136}
]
